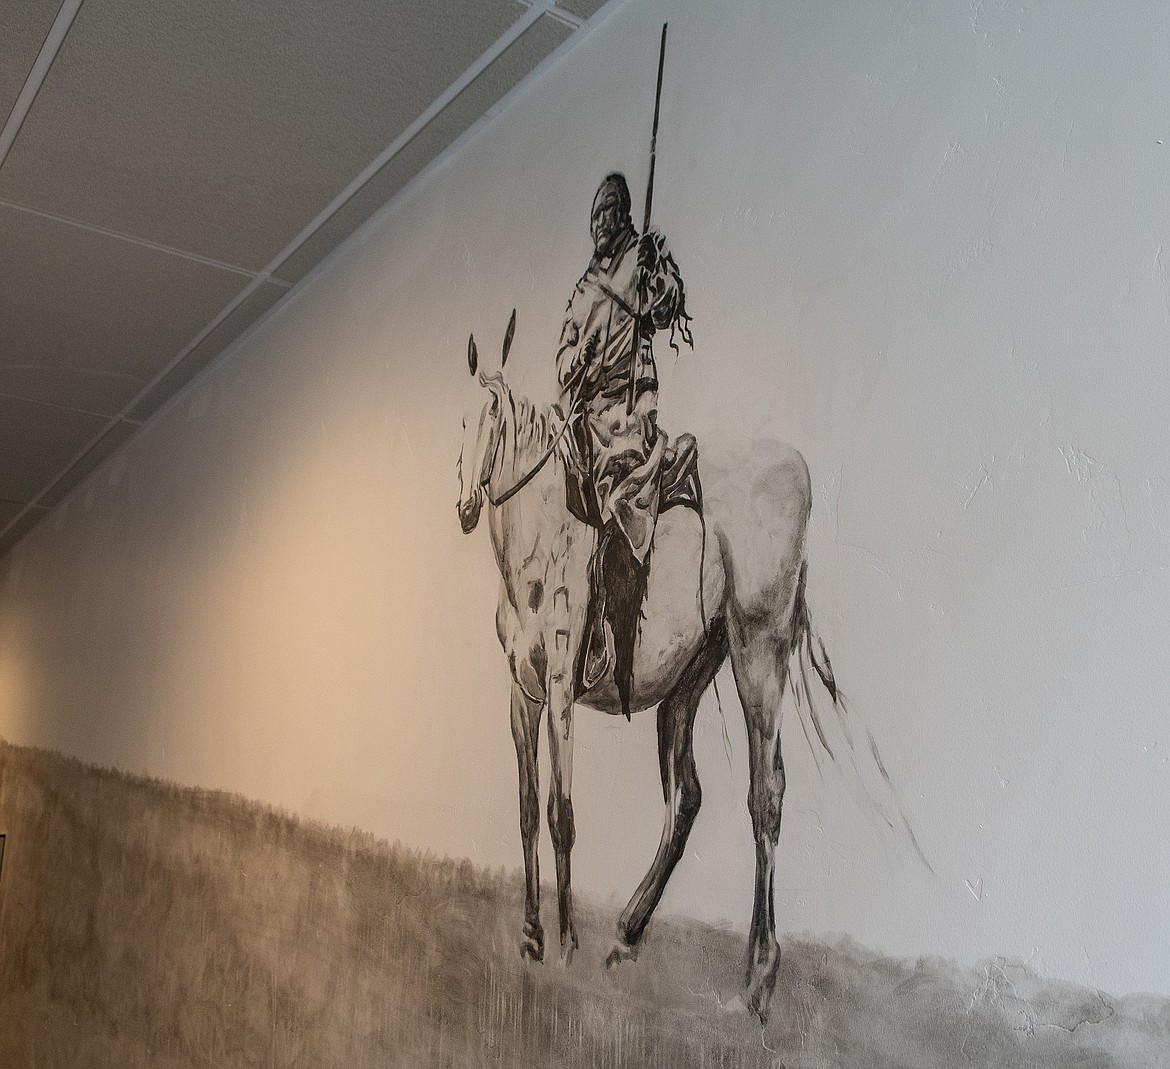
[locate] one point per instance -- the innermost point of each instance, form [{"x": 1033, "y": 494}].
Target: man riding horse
[{"x": 609, "y": 390}]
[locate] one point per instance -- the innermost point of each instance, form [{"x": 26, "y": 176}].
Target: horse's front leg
[
  {"x": 525, "y": 729},
  {"x": 560, "y": 806},
  {"x": 564, "y": 629},
  {"x": 567, "y": 620}
]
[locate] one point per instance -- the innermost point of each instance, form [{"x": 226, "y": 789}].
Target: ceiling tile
[
  {"x": 112, "y": 437},
  {"x": 25, "y": 26},
  {"x": 518, "y": 60},
  {"x": 581, "y": 8},
  {"x": 224, "y": 127},
  {"x": 87, "y": 320},
  {"x": 37, "y": 442},
  {"x": 253, "y": 307}
]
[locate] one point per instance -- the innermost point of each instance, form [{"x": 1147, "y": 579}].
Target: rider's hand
[{"x": 648, "y": 251}]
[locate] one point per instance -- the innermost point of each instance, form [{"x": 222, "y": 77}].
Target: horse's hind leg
[
  {"x": 525, "y": 728},
  {"x": 759, "y": 658},
  {"x": 680, "y": 789}
]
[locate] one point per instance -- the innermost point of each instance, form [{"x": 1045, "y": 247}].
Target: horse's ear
[
  {"x": 472, "y": 354},
  {"x": 509, "y": 334}
]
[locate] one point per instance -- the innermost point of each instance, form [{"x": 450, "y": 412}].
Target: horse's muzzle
[{"x": 469, "y": 512}]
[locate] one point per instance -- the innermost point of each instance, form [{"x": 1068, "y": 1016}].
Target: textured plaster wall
[{"x": 924, "y": 242}]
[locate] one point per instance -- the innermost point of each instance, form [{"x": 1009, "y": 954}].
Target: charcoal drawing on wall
[{"x": 631, "y": 571}]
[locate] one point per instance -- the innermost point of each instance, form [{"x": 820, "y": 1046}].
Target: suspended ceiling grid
[{"x": 169, "y": 169}]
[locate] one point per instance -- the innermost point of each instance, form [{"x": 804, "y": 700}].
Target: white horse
[{"x": 745, "y": 600}]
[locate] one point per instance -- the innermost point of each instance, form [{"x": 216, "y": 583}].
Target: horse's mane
[{"x": 533, "y": 424}]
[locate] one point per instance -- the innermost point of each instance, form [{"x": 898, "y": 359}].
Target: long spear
[{"x": 630, "y": 396}]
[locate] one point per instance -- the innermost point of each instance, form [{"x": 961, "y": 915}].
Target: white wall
[{"x": 923, "y": 242}]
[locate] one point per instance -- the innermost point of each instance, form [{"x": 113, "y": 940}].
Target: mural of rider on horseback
[
  {"x": 587, "y": 562},
  {"x": 622, "y": 462}
]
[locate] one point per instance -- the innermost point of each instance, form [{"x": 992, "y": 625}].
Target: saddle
[
  {"x": 617, "y": 580},
  {"x": 679, "y": 484}
]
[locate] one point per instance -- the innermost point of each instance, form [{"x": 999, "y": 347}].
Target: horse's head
[{"x": 482, "y": 435}]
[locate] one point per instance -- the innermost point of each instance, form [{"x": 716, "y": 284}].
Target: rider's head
[{"x": 611, "y": 213}]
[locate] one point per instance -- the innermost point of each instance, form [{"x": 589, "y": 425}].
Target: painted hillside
[{"x": 147, "y": 925}]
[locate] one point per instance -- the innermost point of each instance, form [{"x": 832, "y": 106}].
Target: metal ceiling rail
[{"x": 32, "y": 84}]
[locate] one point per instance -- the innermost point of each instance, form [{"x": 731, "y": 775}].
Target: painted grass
[{"x": 146, "y": 925}]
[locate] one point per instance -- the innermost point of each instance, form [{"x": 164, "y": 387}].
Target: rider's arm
[{"x": 576, "y": 351}]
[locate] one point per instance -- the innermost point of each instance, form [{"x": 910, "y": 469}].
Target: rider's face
[{"x": 605, "y": 225}]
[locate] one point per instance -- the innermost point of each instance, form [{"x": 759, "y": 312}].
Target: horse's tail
[{"x": 845, "y": 740}]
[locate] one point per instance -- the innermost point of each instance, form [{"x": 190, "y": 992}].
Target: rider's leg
[
  {"x": 625, "y": 586},
  {"x": 594, "y": 658},
  {"x": 627, "y": 460}
]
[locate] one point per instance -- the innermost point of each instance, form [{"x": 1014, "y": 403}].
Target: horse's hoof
[
  {"x": 620, "y": 952},
  {"x": 759, "y": 1001},
  {"x": 532, "y": 945},
  {"x": 761, "y": 982},
  {"x": 761, "y": 1007}
]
